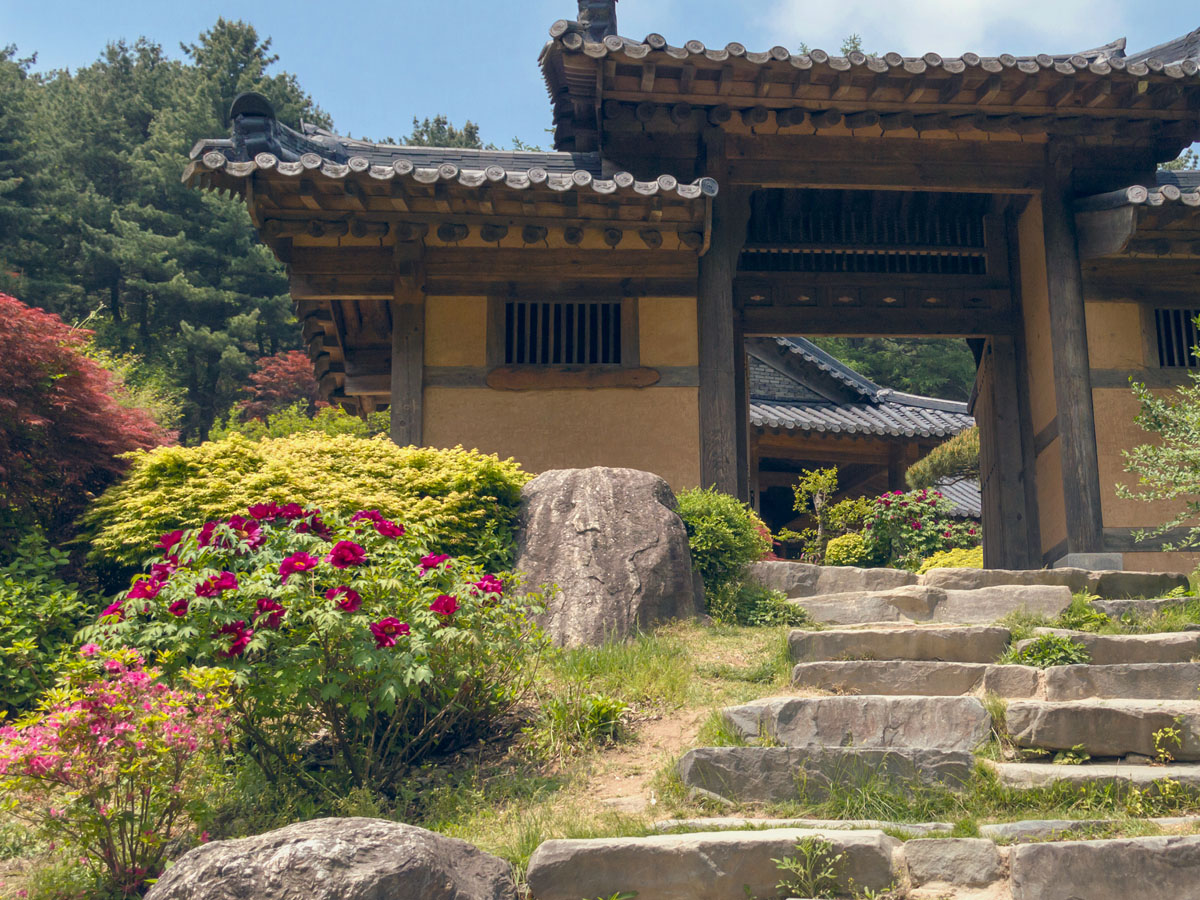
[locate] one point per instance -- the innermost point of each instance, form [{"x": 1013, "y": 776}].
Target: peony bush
[
  {"x": 116, "y": 763},
  {"x": 355, "y": 648},
  {"x": 907, "y": 528}
]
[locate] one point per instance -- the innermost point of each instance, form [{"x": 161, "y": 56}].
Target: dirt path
[{"x": 623, "y": 775}]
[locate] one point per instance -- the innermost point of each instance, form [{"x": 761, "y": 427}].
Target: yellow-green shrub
[
  {"x": 953, "y": 559},
  {"x": 847, "y": 550},
  {"x": 467, "y": 500}
]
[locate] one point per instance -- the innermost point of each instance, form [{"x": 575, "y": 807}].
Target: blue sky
[{"x": 374, "y": 65}]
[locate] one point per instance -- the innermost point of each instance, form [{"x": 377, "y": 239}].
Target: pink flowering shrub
[
  {"x": 908, "y": 527},
  {"x": 114, "y": 762},
  {"x": 342, "y": 634}
]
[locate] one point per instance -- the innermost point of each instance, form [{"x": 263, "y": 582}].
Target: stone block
[
  {"x": 1106, "y": 870},
  {"x": 932, "y": 723},
  {"x": 1119, "y": 649},
  {"x": 973, "y": 579},
  {"x": 1031, "y": 775},
  {"x": 1012, "y": 681},
  {"x": 989, "y": 604},
  {"x": 978, "y": 644},
  {"x": 891, "y": 677},
  {"x": 910, "y": 603},
  {"x": 798, "y": 579},
  {"x": 1118, "y": 585},
  {"x": 704, "y": 866},
  {"x": 1138, "y": 681},
  {"x": 966, "y": 862},
  {"x": 1105, "y": 728},
  {"x": 766, "y": 774},
  {"x": 1138, "y": 607}
]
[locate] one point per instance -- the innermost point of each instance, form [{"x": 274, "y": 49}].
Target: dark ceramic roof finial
[{"x": 598, "y": 18}]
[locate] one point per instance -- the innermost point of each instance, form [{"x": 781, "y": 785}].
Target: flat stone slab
[
  {"x": 974, "y": 643},
  {"x": 1115, "y": 649},
  {"x": 1031, "y": 775},
  {"x": 921, "y": 603},
  {"x": 1136, "y": 681},
  {"x": 789, "y": 773},
  {"x": 1106, "y": 584},
  {"x": 1052, "y": 829},
  {"x": 1117, "y": 608},
  {"x": 1105, "y": 727},
  {"x": 1120, "y": 585},
  {"x": 917, "y": 678},
  {"x": 966, "y": 862},
  {"x": 708, "y": 866},
  {"x": 798, "y": 579},
  {"x": 1106, "y": 870},
  {"x": 721, "y": 823},
  {"x": 932, "y": 723}
]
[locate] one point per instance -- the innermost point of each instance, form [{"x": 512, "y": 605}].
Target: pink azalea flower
[
  {"x": 216, "y": 585},
  {"x": 432, "y": 561},
  {"x": 445, "y": 605},
  {"x": 387, "y": 630},
  {"x": 297, "y": 562},
  {"x": 179, "y": 608},
  {"x": 346, "y": 554},
  {"x": 351, "y": 600},
  {"x": 273, "y": 610},
  {"x": 89, "y": 650},
  {"x": 489, "y": 584}
]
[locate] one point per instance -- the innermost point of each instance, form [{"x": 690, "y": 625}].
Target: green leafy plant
[
  {"x": 812, "y": 871},
  {"x": 295, "y": 419},
  {"x": 575, "y": 719},
  {"x": 39, "y": 615},
  {"x": 1081, "y": 615},
  {"x": 354, "y": 648},
  {"x": 468, "y": 501},
  {"x": 724, "y": 535},
  {"x": 748, "y": 603},
  {"x": 1164, "y": 739},
  {"x": 116, "y": 763},
  {"x": 847, "y": 550},
  {"x": 1047, "y": 650},
  {"x": 953, "y": 559},
  {"x": 908, "y": 528},
  {"x": 1076, "y": 756}
]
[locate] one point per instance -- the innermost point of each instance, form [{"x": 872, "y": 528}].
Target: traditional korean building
[{"x": 590, "y": 305}]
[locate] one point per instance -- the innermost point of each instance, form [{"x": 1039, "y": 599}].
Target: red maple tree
[
  {"x": 280, "y": 381},
  {"x": 62, "y": 426}
]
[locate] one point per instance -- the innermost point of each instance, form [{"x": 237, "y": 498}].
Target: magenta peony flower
[
  {"x": 272, "y": 610},
  {"x": 489, "y": 584},
  {"x": 313, "y": 524},
  {"x": 445, "y": 605},
  {"x": 205, "y": 538},
  {"x": 216, "y": 585},
  {"x": 432, "y": 561},
  {"x": 162, "y": 571},
  {"x": 248, "y": 531},
  {"x": 145, "y": 589},
  {"x": 387, "y": 630},
  {"x": 384, "y": 527},
  {"x": 178, "y": 608},
  {"x": 297, "y": 562},
  {"x": 350, "y": 602},
  {"x": 241, "y": 638},
  {"x": 346, "y": 554},
  {"x": 169, "y": 540},
  {"x": 116, "y": 608},
  {"x": 264, "y": 512}
]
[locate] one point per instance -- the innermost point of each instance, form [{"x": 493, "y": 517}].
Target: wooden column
[
  {"x": 408, "y": 346},
  {"x": 719, "y": 400},
  {"x": 1009, "y": 536},
  {"x": 742, "y": 413},
  {"x": 1072, "y": 375}
]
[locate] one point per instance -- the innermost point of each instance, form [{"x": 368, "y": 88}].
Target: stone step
[
  {"x": 917, "y": 678},
  {"x": 1137, "y": 681},
  {"x": 973, "y": 643},
  {"x": 921, "y": 603},
  {"x": 723, "y": 865},
  {"x": 1058, "y": 829},
  {"x": 1105, "y": 728},
  {"x": 796, "y": 579},
  {"x": 931, "y": 723},
  {"x": 1106, "y": 584},
  {"x": 1106, "y": 870},
  {"x": 1139, "y": 607},
  {"x": 782, "y": 774},
  {"x": 1114, "y": 649},
  {"x": 739, "y": 823},
  {"x": 1045, "y": 774}
]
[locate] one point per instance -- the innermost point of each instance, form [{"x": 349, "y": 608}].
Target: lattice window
[
  {"x": 562, "y": 334},
  {"x": 1177, "y": 335}
]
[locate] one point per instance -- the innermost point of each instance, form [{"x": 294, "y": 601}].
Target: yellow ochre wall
[
  {"x": 656, "y": 429},
  {"x": 1035, "y": 300}
]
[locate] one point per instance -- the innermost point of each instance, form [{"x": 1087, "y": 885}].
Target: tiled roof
[
  {"x": 966, "y": 497},
  {"x": 1187, "y": 180},
  {"x": 1138, "y": 195},
  {"x": 261, "y": 142},
  {"x": 879, "y": 411}
]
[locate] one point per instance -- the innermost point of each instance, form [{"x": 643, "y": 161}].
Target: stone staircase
[{"x": 901, "y": 690}]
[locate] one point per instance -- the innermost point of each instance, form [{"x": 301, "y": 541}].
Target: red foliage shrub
[
  {"x": 280, "y": 381},
  {"x": 61, "y": 425}
]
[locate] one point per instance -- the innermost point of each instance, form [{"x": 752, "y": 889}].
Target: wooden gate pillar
[
  {"x": 724, "y": 452},
  {"x": 408, "y": 346},
  {"x": 1072, "y": 373}
]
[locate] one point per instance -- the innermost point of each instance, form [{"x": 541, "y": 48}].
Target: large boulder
[
  {"x": 610, "y": 545},
  {"x": 338, "y": 859}
]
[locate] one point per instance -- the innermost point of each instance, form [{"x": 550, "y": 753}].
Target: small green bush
[
  {"x": 847, "y": 550},
  {"x": 1048, "y": 650},
  {"x": 955, "y": 460},
  {"x": 953, "y": 559},
  {"x": 467, "y": 500},
  {"x": 909, "y": 528},
  {"x": 748, "y": 603},
  {"x": 1081, "y": 615},
  {"x": 39, "y": 615},
  {"x": 294, "y": 419},
  {"x": 724, "y": 535}
]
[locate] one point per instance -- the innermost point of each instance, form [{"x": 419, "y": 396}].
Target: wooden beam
[
  {"x": 1072, "y": 380},
  {"x": 719, "y": 406}
]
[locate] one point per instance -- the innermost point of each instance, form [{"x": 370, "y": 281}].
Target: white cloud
[{"x": 949, "y": 27}]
